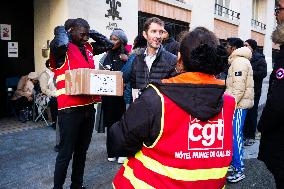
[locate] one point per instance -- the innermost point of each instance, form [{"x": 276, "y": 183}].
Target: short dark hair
[
  {"x": 201, "y": 52},
  {"x": 47, "y": 63},
  {"x": 68, "y": 24},
  {"x": 252, "y": 43},
  {"x": 170, "y": 29},
  {"x": 151, "y": 20},
  {"x": 80, "y": 22},
  {"x": 235, "y": 42},
  {"x": 139, "y": 42}
]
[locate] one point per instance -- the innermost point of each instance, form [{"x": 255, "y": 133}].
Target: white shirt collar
[
  {"x": 146, "y": 52},
  {"x": 149, "y": 59}
]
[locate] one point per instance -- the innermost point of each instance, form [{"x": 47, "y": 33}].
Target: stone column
[
  {"x": 245, "y": 19},
  {"x": 270, "y": 25},
  {"x": 202, "y": 14}
]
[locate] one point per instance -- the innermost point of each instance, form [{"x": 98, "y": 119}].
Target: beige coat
[
  {"x": 46, "y": 83},
  {"x": 24, "y": 88},
  {"x": 239, "y": 81}
]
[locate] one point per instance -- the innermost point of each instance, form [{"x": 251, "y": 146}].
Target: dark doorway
[
  {"x": 178, "y": 26},
  {"x": 21, "y": 21}
]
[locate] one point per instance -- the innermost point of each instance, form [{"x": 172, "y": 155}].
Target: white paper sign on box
[
  {"x": 102, "y": 84},
  {"x": 85, "y": 81}
]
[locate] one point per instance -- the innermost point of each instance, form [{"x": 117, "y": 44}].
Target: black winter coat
[
  {"x": 271, "y": 124},
  {"x": 163, "y": 67},
  {"x": 259, "y": 68},
  {"x": 113, "y": 106},
  {"x": 171, "y": 45},
  {"x": 276, "y": 83}
]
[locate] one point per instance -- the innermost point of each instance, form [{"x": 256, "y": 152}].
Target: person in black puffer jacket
[
  {"x": 259, "y": 67},
  {"x": 155, "y": 63},
  {"x": 169, "y": 43},
  {"x": 271, "y": 148}
]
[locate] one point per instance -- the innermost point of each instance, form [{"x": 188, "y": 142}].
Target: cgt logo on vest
[{"x": 206, "y": 135}]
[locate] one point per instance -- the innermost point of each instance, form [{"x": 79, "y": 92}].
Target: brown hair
[{"x": 151, "y": 20}]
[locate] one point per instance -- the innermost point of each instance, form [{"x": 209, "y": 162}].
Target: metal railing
[
  {"x": 227, "y": 13},
  {"x": 258, "y": 25}
]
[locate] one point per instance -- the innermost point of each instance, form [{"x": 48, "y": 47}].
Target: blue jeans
[{"x": 238, "y": 123}]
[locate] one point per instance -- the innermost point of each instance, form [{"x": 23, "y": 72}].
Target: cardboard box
[{"x": 86, "y": 81}]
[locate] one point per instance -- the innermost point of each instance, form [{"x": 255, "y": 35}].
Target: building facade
[
  {"x": 32, "y": 28},
  {"x": 227, "y": 18}
]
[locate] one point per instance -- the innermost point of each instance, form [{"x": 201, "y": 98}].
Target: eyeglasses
[{"x": 278, "y": 9}]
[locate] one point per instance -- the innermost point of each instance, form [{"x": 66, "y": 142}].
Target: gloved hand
[
  {"x": 95, "y": 35},
  {"x": 60, "y": 36},
  {"x": 101, "y": 44},
  {"x": 59, "y": 29}
]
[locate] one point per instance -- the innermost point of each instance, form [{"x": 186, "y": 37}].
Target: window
[
  {"x": 224, "y": 3},
  {"x": 255, "y": 5},
  {"x": 179, "y": 26},
  {"x": 222, "y": 8}
]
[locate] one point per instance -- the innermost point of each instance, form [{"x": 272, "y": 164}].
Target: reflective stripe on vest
[
  {"x": 60, "y": 92},
  {"x": 181, "y": 174},
  {"x": 128, "y": 173},
  {"x": 60, "y": 78}
]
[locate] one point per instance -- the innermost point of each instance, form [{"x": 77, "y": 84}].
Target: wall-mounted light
[{"x": 45, "y": 50}]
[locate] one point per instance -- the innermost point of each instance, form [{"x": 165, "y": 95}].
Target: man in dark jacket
[
  {"x": 271, "y": 149},
  {"x": 169, "y": 43},
  {"x": 155, "y": 63},
  {"x": 259, "y": 68}
]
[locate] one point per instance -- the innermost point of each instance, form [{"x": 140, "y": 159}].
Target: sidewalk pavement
[{"x": 27, "y": 160}]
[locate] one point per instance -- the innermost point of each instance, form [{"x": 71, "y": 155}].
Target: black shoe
[
  {"x": 53, "y": 125},
  {"x": 82, "y": 187},
  {"x": 22, "y": 116},
  {"x": 56, "y": 148},
  {"x": 22, "y": 120}
]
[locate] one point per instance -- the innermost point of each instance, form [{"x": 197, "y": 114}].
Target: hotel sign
[{"x": 113, "y": 13}]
